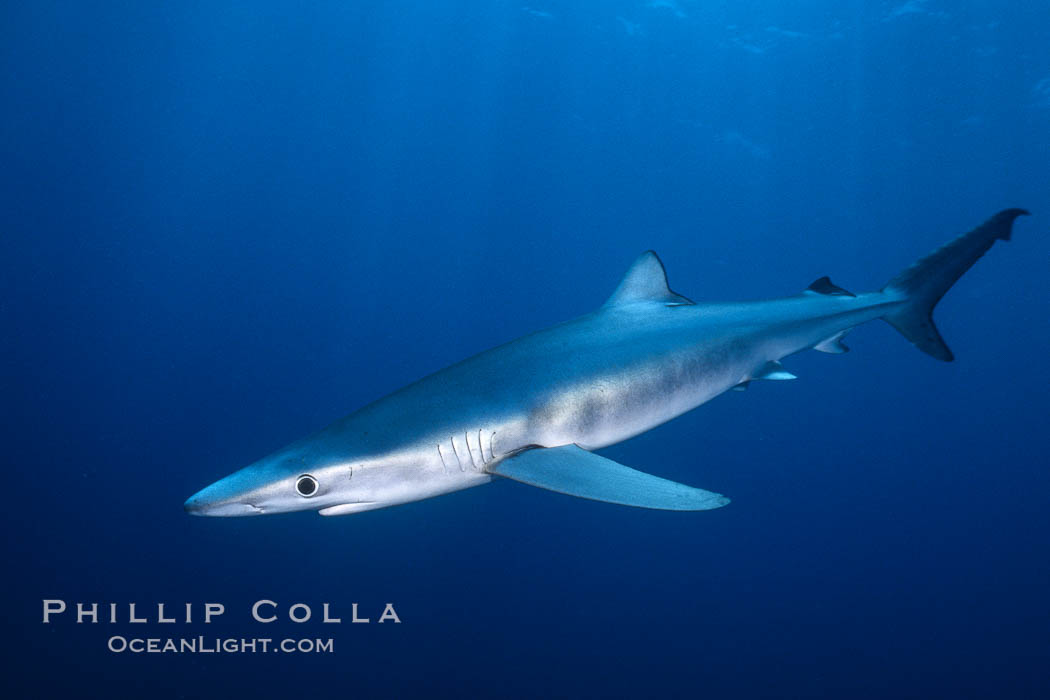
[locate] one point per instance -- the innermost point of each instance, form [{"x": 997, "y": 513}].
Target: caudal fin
[{"x": 925, "y": 282}]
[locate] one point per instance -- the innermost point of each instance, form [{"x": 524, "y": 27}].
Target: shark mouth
[{"x": 350, "y": 508}]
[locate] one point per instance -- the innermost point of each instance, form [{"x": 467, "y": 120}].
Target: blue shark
[{"x": 534, "y": 410}]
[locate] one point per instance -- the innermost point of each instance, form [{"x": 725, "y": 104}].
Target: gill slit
[
  {"x": 473, "y": 462},
  {"x": 476, "y": 462},
  {"x": 456, "y": 452}
]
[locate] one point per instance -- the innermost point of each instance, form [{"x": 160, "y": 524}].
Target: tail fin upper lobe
[{"x": 925, "y": 282}]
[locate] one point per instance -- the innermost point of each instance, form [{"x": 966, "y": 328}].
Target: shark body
[{"x": 532, "y": 410}]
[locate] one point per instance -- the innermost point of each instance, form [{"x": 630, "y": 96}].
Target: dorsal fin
[
  {"x": 646, "y": 280},
  {"x": 825, "y": 286}
]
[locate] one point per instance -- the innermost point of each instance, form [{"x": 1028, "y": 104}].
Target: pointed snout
[
  {"x": 195, "y": 505},
  {"x": 226, "y": 497}
]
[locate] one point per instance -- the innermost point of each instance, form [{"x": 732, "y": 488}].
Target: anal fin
[
  {"x": 834, "y": 344},
  {"x": 574, "y": 471}
]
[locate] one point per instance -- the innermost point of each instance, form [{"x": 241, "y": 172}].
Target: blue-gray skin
[{"x": 531, "y": 410}]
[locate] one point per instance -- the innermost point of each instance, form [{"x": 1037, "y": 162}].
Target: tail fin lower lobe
[{"x": 924, "y": 283}]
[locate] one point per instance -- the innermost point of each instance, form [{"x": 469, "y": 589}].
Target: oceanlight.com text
[{"x": 218, "y": 645}]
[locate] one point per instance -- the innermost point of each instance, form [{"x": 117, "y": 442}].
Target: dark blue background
[{"x": 228, "y": 224}]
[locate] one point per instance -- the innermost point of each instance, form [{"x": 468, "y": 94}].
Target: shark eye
[{"x": 306, "y": 486}]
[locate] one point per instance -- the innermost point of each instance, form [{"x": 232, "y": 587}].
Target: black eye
[{"x": 306, "y": 485}]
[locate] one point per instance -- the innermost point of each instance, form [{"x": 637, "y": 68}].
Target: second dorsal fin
[
  {"x": 825, "y": 286},
  {"x": 646, "y": 280}
]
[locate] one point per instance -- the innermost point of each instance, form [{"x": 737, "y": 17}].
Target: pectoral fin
[{"x": 571, "y": 470}]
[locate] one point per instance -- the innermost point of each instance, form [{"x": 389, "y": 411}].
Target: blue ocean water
[{"x": 227, "y": 224}]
